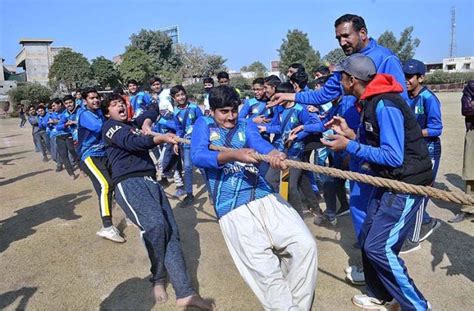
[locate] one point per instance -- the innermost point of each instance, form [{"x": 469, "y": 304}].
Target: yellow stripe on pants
[{"x": 104, "y": 202}]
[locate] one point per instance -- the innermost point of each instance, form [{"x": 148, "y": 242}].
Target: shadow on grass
[
  {"x": 6, "y": 299},
  {"x": 22, "y": 225},
  {"x": 17, "y": 178}
]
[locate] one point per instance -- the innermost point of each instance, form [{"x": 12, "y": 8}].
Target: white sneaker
[
  {"x": 371, "y": 303},
  {"x": 111, "y": 233},
  {"x": 355, "y": 275}
]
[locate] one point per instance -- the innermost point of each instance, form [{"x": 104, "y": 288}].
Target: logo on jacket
[
  {"x": 368, "y": 127},
  {"x": 112, "y": 131}
]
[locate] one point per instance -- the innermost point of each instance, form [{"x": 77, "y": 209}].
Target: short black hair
[
  {"x": 155, "y": 79},
  {"x": 223, "y": 96},
  {"x": 104, "y": 105},
  {"x": 285, "y": 87},
  {"x": 322, "y": 80},
  {"x": 40, "y": 106},
  {"x": 357, "y": 21},
  {"x": 31, "y": 106},
  {"x": 222, "y": 75},
  {"x": 208, "y": 80},
  {"x": 300, "y": 78},
  {"x": 297, "y": 66},
  {"x": 272, "y": 80},
  {"x": 175, "y": 90},
  {"x": 88, "y": 90},
  {"x": 56, "y": 100},
  {"x": 132, "y": 81},
  {"x": 258, "y": 81},
  {"x": 324, "y": 70},
  {"x": 68, "y": 97},
  {"x": 78, "y": 90}
]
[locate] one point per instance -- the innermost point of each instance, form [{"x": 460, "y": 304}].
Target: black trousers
[
  {"x": 97, "y": 170},
  {"x": 65, "y": 146}
]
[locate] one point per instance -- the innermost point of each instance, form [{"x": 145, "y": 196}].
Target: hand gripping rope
[{"x": 397, "y": 186}]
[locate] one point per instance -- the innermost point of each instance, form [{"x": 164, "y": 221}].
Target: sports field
[{"x": 51, "y": 259}]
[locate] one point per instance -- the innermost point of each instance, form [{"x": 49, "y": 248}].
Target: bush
[
  {"x": 443, "y": 77},
  {"x": 34, "y": 92}
]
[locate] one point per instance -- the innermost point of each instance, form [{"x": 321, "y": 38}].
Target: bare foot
[
  {"x": 194, "y": 301},
  {"x": 159, "y": 290}
]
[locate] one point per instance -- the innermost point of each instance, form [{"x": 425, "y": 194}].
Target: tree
[
  {"x": 196, "y": 63},
  {"x": 104, "y": 71},
  {"x": 404, "y": 47},
  {"x": 71, "y": 69},
  {"x": 407, "y": 45},
  {"x": 159, "y": 48},
  {"x": 257, "y": 67},
  {"x": 136, "y": 65},
  {"x": 297, "y": 49},
  {"x": 333, "y": 57},
  {"x": 34, "y": 92}
]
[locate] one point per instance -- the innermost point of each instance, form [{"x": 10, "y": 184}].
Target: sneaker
[
  {"x": 179, "y": 192},
  {"x": 409, "y": 246},
  {"x": 59, "y": 169},
  {"x": 457, "y": 218},
  {"x": 73, "y": 176},
  {"x": 342, "y": 211},
  {"x": 355, "y": 275},
  {"x": 45, "y": 159},
  {"x": 329, "y": 221},
  {"x": 111, "y": 233},
  {"x": 188, "y": 200},
  {"x": 370, "y": 303},
  {"x": 318, "y": 219},
  {"x": 164, "y": 182},
  {"x": 427, "y": 229}
]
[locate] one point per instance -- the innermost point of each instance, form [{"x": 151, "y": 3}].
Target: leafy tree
[
  {"x": 34, "y": 92},
  {"x": 136, "y": 65},
  {"x": 333, "y": 57},
  {"x": 407, "y": 45},
  {"x": 297, "y": 49},
  {"x": 257, "y": 67},
  {"x": 404, "y": 47},
  {"x": 159, "y": 48},
  {"x": 104, "y": 71},
  {"x": 70, "y": 69},
  {"x": 196, "y": 63},
  {"x": 215, "y": 63}
]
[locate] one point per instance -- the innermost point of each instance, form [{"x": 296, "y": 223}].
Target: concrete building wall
[
  {"x": 459, "y": 64},
  {"x": 37, "y": 62}
]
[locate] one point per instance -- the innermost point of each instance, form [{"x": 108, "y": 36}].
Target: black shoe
[
  {"x": 59, "y": 169},
  {"x": 356, "y": 245},
  {"x": 342, "y": 211},
  {"x": 427, "y": 229},
  {"x": 188, "y": 200},
  {"x": 164, "y": 182},
  {"x": 409, "y": 246},
  {"x": 45, "y": 159}
]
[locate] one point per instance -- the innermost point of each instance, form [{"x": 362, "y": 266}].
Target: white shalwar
[{"x": 274, "y": 252}]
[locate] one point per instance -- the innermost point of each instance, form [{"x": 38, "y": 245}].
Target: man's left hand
[{"x": 336, "y": 142}]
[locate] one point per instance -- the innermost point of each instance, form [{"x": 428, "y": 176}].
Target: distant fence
[{"x": 447, "y": 87}]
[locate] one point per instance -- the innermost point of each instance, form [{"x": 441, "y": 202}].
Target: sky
[{"x": 241, "y": 31}]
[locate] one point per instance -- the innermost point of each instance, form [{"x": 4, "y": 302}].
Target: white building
[{"x": 459, "y": 64}]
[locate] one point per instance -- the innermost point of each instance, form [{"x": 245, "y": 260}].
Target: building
[
  {"x": 36, "y": 57},
  {"x": 459, "y": 64}
]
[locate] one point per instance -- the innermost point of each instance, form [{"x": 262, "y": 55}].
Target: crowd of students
[{"x": 371, "y": 114}]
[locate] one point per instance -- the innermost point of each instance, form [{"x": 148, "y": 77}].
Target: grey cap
[{"x": 358, "y": 65}]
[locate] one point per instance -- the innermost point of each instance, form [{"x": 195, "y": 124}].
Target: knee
[
  {"x": 307, "y": 245},
  {"x": 374, "y": 252}
]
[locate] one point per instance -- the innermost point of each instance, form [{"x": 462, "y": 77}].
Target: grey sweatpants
[{"x": 274, "y": 252}]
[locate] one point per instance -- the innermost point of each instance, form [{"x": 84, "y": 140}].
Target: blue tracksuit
[
  {"x": 232, "y": 184},
  {"x": 427, "y": 109},
  {"x": 286, "y": 119},
  {"x": 385, "y": 61},
  {"x": 185, "y": 119},
  {"x": 89, "y": 132},
  {"x": 253, "y": 108},
  {"x": 139, "y": 102},
  {"x": 390, "y": 216},
  {"x": 65, "y": 116}
]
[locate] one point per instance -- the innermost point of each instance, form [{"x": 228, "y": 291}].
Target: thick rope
[{"x": 397, "y": 186}]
